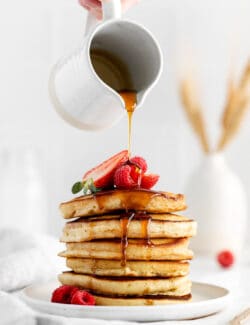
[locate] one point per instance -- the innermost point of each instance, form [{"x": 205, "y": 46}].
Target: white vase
[{"x": 217, "y": 201}]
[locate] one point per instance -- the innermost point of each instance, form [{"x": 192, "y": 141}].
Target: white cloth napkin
[
  {"x": 14, "y": 311},
  {"x": 27, "y": 258}
]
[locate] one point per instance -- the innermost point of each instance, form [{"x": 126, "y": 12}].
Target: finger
[
  {"x": 96, "y": 12},
  {"x": 90, "y": 3},
  {"x": 95, "y": 7},
  {"x": 85, "y": 7}
]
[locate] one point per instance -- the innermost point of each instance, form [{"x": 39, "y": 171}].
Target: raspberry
[
  {"x": 123, "y": 179},
  {"x": 63, "y": 294},
  {"x": 139, "y": 162},
  {"x": 135, "y": 174},
  {"x": 82, "y": 297},
  {"x": 148, "y": 181},
  {"x": 225, "y": 258}
]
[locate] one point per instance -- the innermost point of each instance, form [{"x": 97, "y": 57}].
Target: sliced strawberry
[
  {"x": 82, "y": 297},
  {"x": 103, "y": 174},
  {"x": 63, "y": 294},
  {"x": 148, "y": 181},
  {"x": 122, "y": 178},
  {"x": 139, "y": 162}
]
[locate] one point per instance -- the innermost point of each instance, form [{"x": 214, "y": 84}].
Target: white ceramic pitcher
[{"x": 78, "y": 94}]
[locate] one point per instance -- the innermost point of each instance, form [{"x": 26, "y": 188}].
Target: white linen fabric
[
  {"x": 27, "y": 258},
  {"x": 14, "y": 311}
]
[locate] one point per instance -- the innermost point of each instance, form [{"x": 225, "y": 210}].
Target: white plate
[{"x": 207, "y": 299}]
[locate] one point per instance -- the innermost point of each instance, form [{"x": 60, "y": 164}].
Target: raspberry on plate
[
  {"x": 82, "y": 297},
  {"x": 225, "y": 258},
  {"x": 63, "y": 294}
]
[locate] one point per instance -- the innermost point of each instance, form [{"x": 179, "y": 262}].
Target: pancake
[
  {"x": 110, "y": 226},
  {"x": 137, "y": 249},
  {"x": 108, "y": 201},
  {"x": 132, "y": 268},
  {"x": 102, "y": 300},
  {"x": 127, "y": 286}
]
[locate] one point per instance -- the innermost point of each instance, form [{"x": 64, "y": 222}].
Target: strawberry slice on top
[{"x": 103, "y": 174}]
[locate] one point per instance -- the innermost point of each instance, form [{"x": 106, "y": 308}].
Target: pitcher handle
[
  {"x": 91, "y": 22},
  {"x": 111, "y": 10}
]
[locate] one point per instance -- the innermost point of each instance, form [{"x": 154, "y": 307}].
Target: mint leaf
[
  {"x": 88, "y": 187},
  {"x": 77, "y": 187},
  {"x": 92, "y": 186},
  {"x": 85, "y": 187}
]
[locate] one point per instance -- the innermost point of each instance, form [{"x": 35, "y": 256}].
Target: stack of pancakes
[{"x": 127, "y": 248}]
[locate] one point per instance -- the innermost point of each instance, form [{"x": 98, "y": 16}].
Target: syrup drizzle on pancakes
[{"x": 125, "y": 220}]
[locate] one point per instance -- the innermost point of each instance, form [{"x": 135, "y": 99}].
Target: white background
[{"x": 211, "y": 37}]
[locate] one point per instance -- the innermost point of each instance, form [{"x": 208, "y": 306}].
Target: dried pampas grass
[
  {"x": 194, "y": 112},
  {"x": 237, "y": 103}
]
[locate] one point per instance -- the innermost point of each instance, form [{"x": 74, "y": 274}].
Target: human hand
[{"x": 95, "y": 6}]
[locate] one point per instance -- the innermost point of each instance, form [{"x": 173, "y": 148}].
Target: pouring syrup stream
[{"x": 130, "y": 100}]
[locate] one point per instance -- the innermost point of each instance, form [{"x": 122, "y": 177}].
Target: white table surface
[{"x": 236, "y": 279}]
